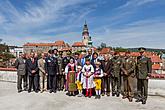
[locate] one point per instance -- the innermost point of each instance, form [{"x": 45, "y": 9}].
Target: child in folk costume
[
  {"x": 98, "y": 74},
  {"x": 79, "y": 80},
  {"x": 88, "y": 84},
  {"x": 70, "y": 71}
]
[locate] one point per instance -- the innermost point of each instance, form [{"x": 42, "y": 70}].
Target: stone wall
[{"x": 8, "y": 74}]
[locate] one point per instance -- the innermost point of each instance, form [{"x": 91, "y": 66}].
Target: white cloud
[
  {"x": 148, "y": 33},
  {"x": 36, "y": 20}
]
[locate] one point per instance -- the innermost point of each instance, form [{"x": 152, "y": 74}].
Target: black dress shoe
[
  {"x": 117, "y": 95},
  {"x": 143, "y": 101},
  {"x": 19, "y": 91},
  {"x": 36, "y": 91},
  {"x": 50, "y": 91},
  {"x": 29, "y": 91},
  {"x": 96, "y": 97},
  {"x": 99, "y": 96},
  {"x": 113, "y": 94},
  {"x": 138, "y": 100}
]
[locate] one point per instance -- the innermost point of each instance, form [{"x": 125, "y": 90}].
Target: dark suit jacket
[
  {"x": 106, "y": 67},
  {"x": 51, "y": 65},
  {"x": 32, "y": 66}
]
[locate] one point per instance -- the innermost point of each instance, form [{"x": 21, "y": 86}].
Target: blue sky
[{"x": 125, "y": 23}]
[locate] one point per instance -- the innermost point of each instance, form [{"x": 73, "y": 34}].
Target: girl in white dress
[{"x": 88, "y": 83}]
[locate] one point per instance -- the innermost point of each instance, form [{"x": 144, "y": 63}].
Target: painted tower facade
[{"x": 87, "y": 41}]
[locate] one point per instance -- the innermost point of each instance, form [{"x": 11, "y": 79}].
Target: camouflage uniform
[{"x": 116, "y": 75}]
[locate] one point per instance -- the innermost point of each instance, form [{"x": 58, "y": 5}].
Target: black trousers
[
  {"x": 20, "y": 79},
  {"x": 52, "y": 82},
  {"x": 105, "y": 84},
  {"x": 33, "y": 82},
  {"x": 142, "y": 88}
]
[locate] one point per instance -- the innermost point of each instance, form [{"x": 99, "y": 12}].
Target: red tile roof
[
  {"x": 78, "y": 44},
  {"x": 105, "y": 51},
  {"x": 155, "y": 59},
  {"x": 156, "y": 67},
  {"x": 57, "y": 43},
  {"x": 8, "y": 69},
  {"x": 60, "y": 43}
]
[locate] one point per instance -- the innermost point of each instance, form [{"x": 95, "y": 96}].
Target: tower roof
[{"x": 85, "y": 29}]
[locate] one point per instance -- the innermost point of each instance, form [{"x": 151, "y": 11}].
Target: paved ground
[{"x": 11, "y": 100}]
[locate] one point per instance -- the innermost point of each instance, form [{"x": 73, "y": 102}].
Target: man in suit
[
  {"x": 32, "y": 69},
  {"x": 144, "y": 68},
  {"x": 20, "y": 64},
  {"x": 51, "y": 67},
  {"x": 42, "y": 73},
  {"x": 106, "y": 65}
]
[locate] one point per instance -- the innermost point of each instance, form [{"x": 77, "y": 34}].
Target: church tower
[{"x": 85, "y": 35}]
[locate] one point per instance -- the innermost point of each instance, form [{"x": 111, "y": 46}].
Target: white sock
[{"x": 99, "y": 92}]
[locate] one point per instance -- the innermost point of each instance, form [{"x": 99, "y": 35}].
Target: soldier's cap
[
  {"x": 60, "y": 52},
  {"x": 79, "y": 67},
  {"x": 69, "y": 53},
  {"x": 50, "y": 51},
  {"x": 97, "y": 63},
  {"x": 142, "y": 49}
]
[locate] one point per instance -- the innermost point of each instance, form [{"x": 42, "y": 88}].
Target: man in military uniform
[
  {"x": 128, "y": 69},
  {"x": 51, "y": 68},
  {"x": 21, "y": 72},
  {"x": 144, "y": 68},
  {"x": 116, "y": 74},
  {"x": 60, "y": 76}
]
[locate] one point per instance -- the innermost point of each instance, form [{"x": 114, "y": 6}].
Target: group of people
[{"x": 86, "y": 75}]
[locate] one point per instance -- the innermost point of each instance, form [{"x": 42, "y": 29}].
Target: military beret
[
  {"x": 142, "y": 49},
  {"x": 69, "y": 53}
]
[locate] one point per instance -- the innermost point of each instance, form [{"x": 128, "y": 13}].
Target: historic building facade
[{"x": 44, "y": 47}]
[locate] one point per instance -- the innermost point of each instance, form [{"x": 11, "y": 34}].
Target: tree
[
  {"x": 103, "y": 45},
  {"x": 120, "y": 49}
]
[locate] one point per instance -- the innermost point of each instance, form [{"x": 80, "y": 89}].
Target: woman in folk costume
[
  {"x": 70, "y": 72},
  {"x": 79, "y": 80},
  {"x": 88, "y": 84},
  {"x": 98, "y": 74}
]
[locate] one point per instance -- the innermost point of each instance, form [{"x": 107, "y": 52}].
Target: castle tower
[{"x": 85, "y": 34}]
